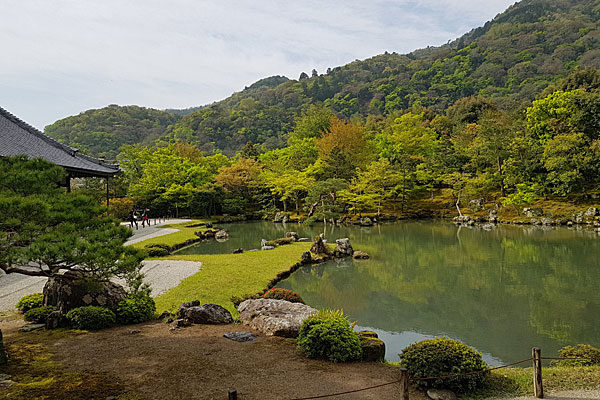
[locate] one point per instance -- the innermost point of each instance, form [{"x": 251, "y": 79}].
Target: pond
[{"x": 502, "y": 291}]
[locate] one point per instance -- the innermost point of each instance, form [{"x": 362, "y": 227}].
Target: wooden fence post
[
  {"x": 232, "y": 394},
  {"x": 404, "y": 384},
  {"x": 538, "y": 389}
]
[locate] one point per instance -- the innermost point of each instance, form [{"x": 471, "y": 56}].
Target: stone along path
[{"x": 162, "y": 275}]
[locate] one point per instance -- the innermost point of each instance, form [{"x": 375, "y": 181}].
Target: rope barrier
[
  {"x": 348, "y": 392},
  {"x": 571, "y": 358},
  {"x": 413, "y": 379}
]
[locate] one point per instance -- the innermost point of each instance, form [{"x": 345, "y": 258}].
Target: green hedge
[
  {"x": 91, "y": 318},
  {"x": 328, "y": 335},
  {"x": 283, "y": 294},
  {"x": 441, "y": 357},
  {"x": 136, "y": 308},
  {"x": 30, "y": 301},
  {"x": 581, "y": 355},
  {"x": 38, "y": 315}
]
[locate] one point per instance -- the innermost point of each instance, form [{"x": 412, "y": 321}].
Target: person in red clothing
[{"x": 145, "y": 219}]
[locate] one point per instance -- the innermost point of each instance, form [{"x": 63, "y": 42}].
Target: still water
[{"x": 502, "y": 291}]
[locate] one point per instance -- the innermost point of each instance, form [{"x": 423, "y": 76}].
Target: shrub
[
  {"x": 582, "y": 355},
  {"x": 136, "y": 308},
  {"x": 91, "y": 318},
  {"x": 38, "y": 315},
  {"x": 328, "y": 335},
  {"x": 158, "y": 250},
  {"x": 440, "y": 357},
  {"x": 34, "y": 300},
  {"x": 283, "y": 294},
  {"x": 237, "y": 300}
]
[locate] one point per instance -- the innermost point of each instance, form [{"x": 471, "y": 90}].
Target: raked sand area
[{"x": 162, "y": 275}]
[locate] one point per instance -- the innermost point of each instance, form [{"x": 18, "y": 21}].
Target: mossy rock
[
  {"x": 368, "y": 334},
  {"x": 373, "y": 349}
]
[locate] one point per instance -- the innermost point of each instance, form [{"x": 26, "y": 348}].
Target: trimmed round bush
[
  {"x": 158, "y": 250},
  {"x": 329, "y": 336},
  {"x": 441, "y": 357},
  {"x": 136, "y": 308},
  {"x": 38, "y": 315},
  {"x": 582, "y": 355},
  {"x": 30, "y": 301},
  {"x": 91, "y": 318},
  {"x": 283, "y": 294}
]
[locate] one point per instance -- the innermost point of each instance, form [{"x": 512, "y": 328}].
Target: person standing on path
[
  {"x": 132, "y": 219},
  {"x": 145, "y": 219}
]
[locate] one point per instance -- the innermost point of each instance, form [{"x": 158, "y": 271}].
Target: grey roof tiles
[{"x": 17, "y": 137}]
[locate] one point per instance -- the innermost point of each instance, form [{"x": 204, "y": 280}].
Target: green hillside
[
  {"x": 510, "y": 60},
  {"x": 101, "y": 132}
]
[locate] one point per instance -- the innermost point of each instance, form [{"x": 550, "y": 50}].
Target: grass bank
[
  {"x": 226, "y": 275},
  {"x": 519, "y": 381},
  {"x": 186, "y": 232}
]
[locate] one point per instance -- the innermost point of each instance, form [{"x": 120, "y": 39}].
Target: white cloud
[{"x": 70, "y": 55}]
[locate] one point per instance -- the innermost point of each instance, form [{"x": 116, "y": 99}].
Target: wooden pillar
[
  {"x": 538, "y": 389},
  {"x": 232, "y": 394},
  {"x": 404, "y": 384},
  {"x": 107, "y": 211}
]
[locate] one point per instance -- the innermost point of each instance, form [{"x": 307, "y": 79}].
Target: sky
[{"x": 62, "y": 57}]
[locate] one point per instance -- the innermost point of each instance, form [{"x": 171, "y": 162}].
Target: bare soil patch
[{"x": 199, "y": 363}]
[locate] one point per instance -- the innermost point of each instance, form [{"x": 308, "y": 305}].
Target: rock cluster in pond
[
  {"x": 274, "y": 317},
  {"x": 343, "y": 248},
  {"x": 3, "y": 354},
  {"x": 373, "y": 348},
  {"x": 67, "y": 290},
  {"x": 319, "y": 247},
  {"x": 205, "y": 314},
  {"x": 360, "y": 255}
]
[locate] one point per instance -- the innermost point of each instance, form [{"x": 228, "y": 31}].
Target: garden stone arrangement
[
  {"x": 209, "y": 314},
  {"x": 275, "y": 317}
]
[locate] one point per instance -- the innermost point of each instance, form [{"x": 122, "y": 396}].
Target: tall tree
[{"x": 45, "y": 229}]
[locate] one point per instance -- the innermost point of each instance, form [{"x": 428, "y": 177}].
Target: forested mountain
[
  {"x": 101, "y": 132},
  {"x": 511, "y": 60}
]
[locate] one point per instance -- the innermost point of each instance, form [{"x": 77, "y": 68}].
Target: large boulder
[
  {"x": 275, "y": 317},
  {"x": 206, "y": 314},
  {"x": 3, "y": 355},
  {"x": 592, "y": 212},
  {"x": 67, "y": 290},
  {"x": 343, "y": 248}
]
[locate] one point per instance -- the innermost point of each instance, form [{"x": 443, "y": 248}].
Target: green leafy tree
[
  {"x": 524, "y": 196},
  {"x": 45, "y": 229}
]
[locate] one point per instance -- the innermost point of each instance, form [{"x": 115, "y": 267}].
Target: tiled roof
[{"x": 17, "y": 137}]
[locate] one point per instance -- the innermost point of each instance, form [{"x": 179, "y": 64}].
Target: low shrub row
[{"x": 138, "y": 307}]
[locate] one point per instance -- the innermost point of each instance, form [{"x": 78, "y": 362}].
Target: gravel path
[{"x": 566, "y": 395}]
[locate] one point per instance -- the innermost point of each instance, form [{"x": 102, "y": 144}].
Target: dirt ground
[{"x": 199, "y": 363}]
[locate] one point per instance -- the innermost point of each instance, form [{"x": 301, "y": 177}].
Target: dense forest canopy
[{"x": 510, "y": 112}]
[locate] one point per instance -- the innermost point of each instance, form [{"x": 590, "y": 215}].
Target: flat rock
[
  {"x": 31, "y": 327},
  {"x": 241, "y": 336},
  {"x": 275, "y": 317},
  {"x": 441, "y": 394}
]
